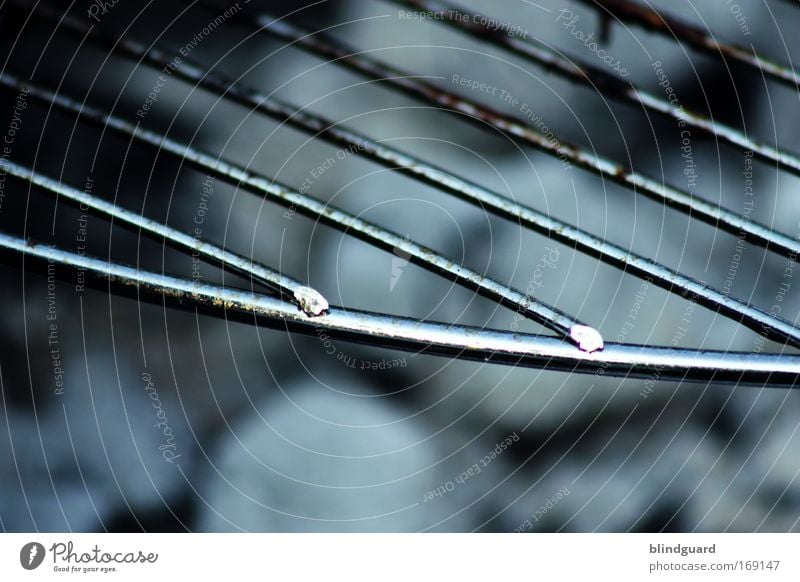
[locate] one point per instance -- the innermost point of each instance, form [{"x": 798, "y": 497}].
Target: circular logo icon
[{"x": 31, "y": 555}]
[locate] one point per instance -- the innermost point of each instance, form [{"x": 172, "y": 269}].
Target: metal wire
[
  {"x": 457, "y": 341},
  {"x": 449, "y": 14},
  {"x": 470, "y": 343},
  {"x": 676, "y": 29}
]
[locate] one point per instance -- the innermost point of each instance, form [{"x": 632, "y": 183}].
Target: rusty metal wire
[
  {"x": 676, "y": 29},
  {"x": 324, "y": 46},
  {"x": 754, "y": 318},
  {"x": 194, "y": 72},
  {"x": 310, "y": 300}
]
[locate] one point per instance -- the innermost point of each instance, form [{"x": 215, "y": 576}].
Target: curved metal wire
[
  {"x": 463, "y": 342},
  {"x": 756, "y": 319}
]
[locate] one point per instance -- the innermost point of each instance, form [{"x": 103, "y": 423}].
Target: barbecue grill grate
[{"x": 292, "y": 305}]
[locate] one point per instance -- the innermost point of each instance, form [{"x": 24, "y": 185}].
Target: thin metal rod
[
  {"x": 451, "y": 15},
  {"x": 308, "y": 299},
  {"x": 675, "y": 28},
  {"x": 673, "y": 281},
  {"x": 462, "y": 342},
  {"x": 586, "y": 337},
  {"x": 654, "y": 189}
]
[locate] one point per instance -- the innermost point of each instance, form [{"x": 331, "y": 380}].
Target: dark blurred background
[{"x": 131, "y": 416}]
